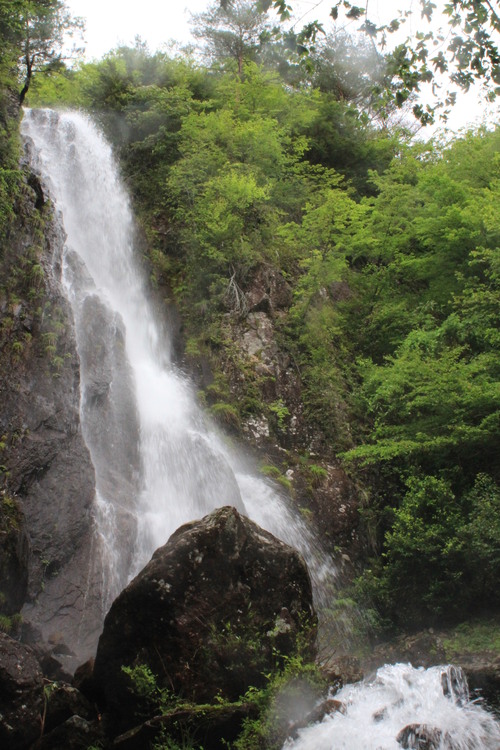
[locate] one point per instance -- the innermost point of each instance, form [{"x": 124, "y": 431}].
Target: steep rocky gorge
[
  {"x": 47, "y": 475},
  {"x": 52, "y": 554},
  {"x": 52, "y": 570},
  {"x": 256, "y": 367}
]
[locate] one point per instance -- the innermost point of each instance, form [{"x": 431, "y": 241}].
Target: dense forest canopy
[{"x": 267, "y": 155}]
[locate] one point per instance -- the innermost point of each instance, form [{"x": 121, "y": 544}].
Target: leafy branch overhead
[{"x": 467, "y": 52}]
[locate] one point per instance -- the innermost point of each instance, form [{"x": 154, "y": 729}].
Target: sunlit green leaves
[{"x": 441, "y": 558}]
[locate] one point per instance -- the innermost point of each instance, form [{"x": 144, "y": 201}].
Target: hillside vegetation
[{"x": 390, "y": 249}]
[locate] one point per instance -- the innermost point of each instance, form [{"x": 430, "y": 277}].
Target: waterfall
[
  {"x": 404, "y": 707},
  {"x": 158, "y": 460}
]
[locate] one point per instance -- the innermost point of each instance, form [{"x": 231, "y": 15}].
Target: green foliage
[
  {"x": 274, "y": 473},
  {"x": 430, "y": 377},
  {"x": 291, "y": 682},
  {"x": 226, "y": 414},
  {"x": 42, "y": 29},
  {"x": 145, "y": 686},
  {"x": 10, "y": 624},
  {"x": 9, "y": 190},
  {"x": 474, "y": 636},
  {"x": 480, "y": 536},
  {"x": 422, "y": 551},
  {"x": 281, "y": 412},
  {"x": 468, "y": 51},
  {"x": 286, "y": 692},
  {"x": 390, "y": 256},
  {"x": 233, "y": 31},
  {"x": 441, "y": 554}
]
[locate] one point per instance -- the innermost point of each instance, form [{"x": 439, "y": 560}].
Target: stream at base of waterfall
[
  {"x": 404, "y": 707},
  {"x": 158, "y": 460}
]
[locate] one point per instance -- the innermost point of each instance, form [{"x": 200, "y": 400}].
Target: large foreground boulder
[{"x": 212, "y": 612}]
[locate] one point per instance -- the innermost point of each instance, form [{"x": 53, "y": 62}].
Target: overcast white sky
[{"x": 113, "y": 22}]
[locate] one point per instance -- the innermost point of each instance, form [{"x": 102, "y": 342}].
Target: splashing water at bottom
[{"x": 404, "y": 707}]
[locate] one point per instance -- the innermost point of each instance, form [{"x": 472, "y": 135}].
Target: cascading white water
[
  {"x": 433, "y": 705},
  {"x": 158, "y": 462}
]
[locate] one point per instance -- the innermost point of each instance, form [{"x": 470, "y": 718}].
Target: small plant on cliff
[
  {"x": 144, "y": 685},
  {"x": 226, "y": 415},
  {"x": 10, "y": 624},
  {"x": 281, "y": 412},
  {"x": 161, "y": 701},
  {"x": 274, "y": 473}
]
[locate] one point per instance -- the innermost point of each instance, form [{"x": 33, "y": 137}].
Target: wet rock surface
[
  {"x": 422, "y": 649},
  {"x": 265, "y": 387},
  {"x": 14, "y": 556},
  {"x": 108, "y": 400},
  {"x": 45, "y": 466},
  {"x": 37, "y": 712},
  {"x": 21, "y": 695},
  {"x": 481, "y": 667},
  {"x": 76, "y": 733},
  {"x": 423, "y": 737},
  {"x": 207, "y": 614},
  {"x": 317, "y": 714},
  {"x": 63, "y": 702}
]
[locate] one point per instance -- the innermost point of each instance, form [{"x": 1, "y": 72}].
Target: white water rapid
[
  {"x": 158, "y": 461},
  {"x": 433, "y": 705}
]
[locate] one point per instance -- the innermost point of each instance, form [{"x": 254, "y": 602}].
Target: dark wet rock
[
  {"x": 423, "y": 737},
  {"x": 36, "y": 186},
  {"x": 83, "y": 679},
  {"x": 63, "y": 702},
  {"x": 317, "y": 714},
  {"x": 21, "y": 695},
  {"x": 482, "y": 670},
  {"x": 46, "y": 467},
  {"x": 380, "y": 715},
  {"x": 341, "y": 669},
  {"x": 76, "y": 733},
  {"x": 454, "y": 684},
  {"x": 423, "y": 649},
  {"x": 51, "y": 662},
  {"x": 14, "y": 556},
  {"x": 206, "y": 614},
  {"x": 333, "y": 501},
  {"x": 269, "y": 292},
  {"x": 339, "y": 291},
  {"x": 110, "y": 413}
]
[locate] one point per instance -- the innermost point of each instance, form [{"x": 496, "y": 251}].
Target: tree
[
  {"x": 469, "y": 53},
  {"x": 44, "y": 24},
  {"x": 232, "y": 31}
]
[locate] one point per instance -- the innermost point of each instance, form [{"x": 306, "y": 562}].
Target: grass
[{"x": 473, "y": 636}]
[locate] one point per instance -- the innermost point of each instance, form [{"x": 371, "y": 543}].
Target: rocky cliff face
[
  {"x": 47, "y": 478},
  {"x": 263, "y": 382}
]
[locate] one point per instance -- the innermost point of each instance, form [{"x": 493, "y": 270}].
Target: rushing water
[
  {"x": 159, "y": 463},
  {"x": 433, "y": 705}
]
